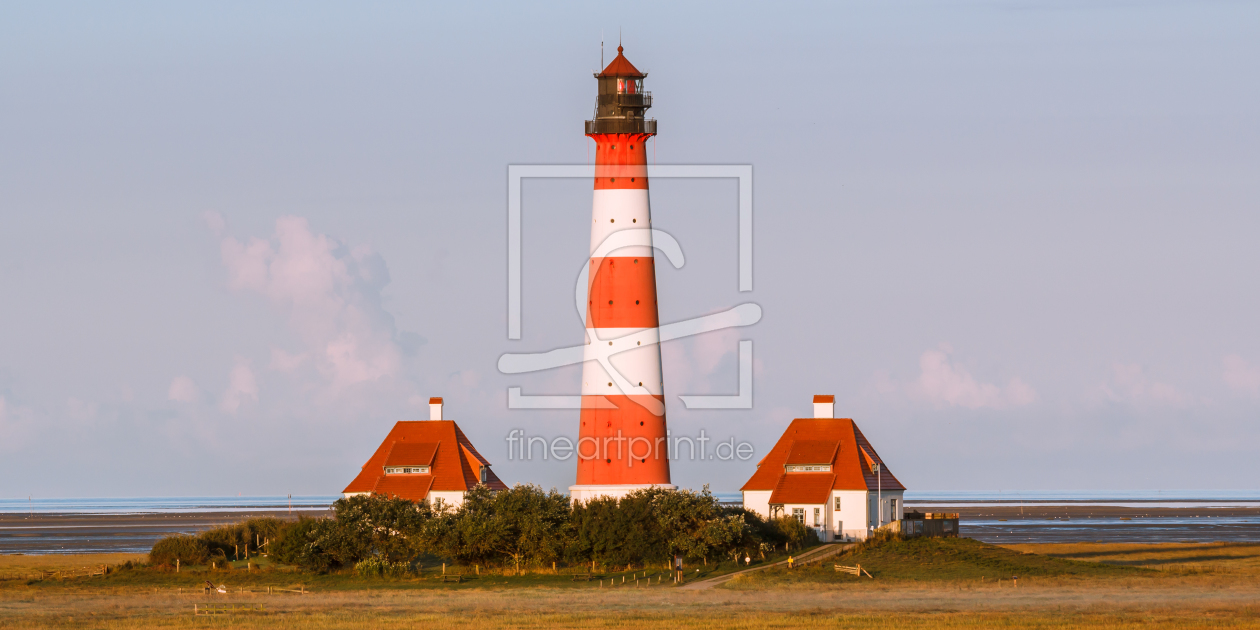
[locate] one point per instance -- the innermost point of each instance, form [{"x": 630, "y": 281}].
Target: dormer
[
  {"x": 811, "y": 456},
  {"x": 409, "y": 458}
]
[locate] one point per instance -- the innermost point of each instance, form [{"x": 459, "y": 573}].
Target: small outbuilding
[
  {"x": 826, "y": 474},
  {"x": 425, "y": 460}
]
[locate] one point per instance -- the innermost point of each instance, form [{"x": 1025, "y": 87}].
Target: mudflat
[
  {"x": 76, "y": 533},
  {"x": 1007, "y": 523},
  {"x": 1001, "y": 523}
]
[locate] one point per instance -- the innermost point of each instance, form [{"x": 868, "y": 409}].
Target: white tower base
[{"x": 582, "y": 494}]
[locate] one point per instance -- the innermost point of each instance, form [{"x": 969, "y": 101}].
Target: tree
[
  {"x": 531, "y": 525},
  {"x": 793, "y": 532},
  {"x": 364, "y": 526},
  {"x": 692, "y": 523}
]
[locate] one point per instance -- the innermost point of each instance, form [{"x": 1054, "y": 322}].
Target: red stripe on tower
[{"x": 622, "y": 447}]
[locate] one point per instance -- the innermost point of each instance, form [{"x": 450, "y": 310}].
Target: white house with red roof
[
  {"x": 824, "y": 472},
  {"x": 425, "y": 460}
]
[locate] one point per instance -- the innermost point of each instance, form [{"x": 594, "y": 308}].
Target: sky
[{"x": 1016, "y": 240}]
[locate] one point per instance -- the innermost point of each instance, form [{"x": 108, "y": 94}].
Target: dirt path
[{"x": 809, "y": 556}]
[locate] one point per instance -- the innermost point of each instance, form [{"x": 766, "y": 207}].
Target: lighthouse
[{"x": 622, "y": 441}]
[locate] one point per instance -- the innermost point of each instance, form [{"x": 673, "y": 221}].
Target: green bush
[
  {"x": 186, "y": 549},
  {"x": 794, "y": 533},
  {"x": 378, "y": 567},
  {"x": 521, "y": 527},
  {"x": 242, "y": 538},
  {"x": 651, "y": 526},
  {"x": 289, "y": 545}
]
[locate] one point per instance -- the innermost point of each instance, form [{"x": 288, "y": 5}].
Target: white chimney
[
  {"x": 435, "y": 408},
  {"x": 824, "y": 406}
]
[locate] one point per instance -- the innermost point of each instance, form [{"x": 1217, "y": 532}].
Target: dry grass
[
  {"x": 1227, "y": 596},
  {"x": 1184, "y": 558},
  {"x": 13, "y": 566},
  {"x": 1076, "y": 607}
]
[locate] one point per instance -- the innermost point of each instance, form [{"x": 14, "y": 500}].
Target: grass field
[
  {"x": 918, "y": 583},
  {"x": 1241, "y": 559},
  {"x": 19, "y": 566}
]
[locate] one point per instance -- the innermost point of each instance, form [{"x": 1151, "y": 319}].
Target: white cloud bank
[
  {"x": 944, "y": 383},
  {"x": 241, "y": 387},
  {"x": 1241, "y": 376},
  {"x": 1130, "y": 384},
  {"x": 332, "y": 296},
  {"x": 183, "y": 389},
  {"x": 17, "y": 426}
]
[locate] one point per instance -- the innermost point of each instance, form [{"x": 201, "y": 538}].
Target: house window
[
  {"x": 809, "y": 468},
  {"x": 799, "y": 514},
  {"x": 485, "y": 474},
  {"x": 837, "y": 504},
  {"x": 892, "y": 507},
  {"x": 817, "y": 517},
  {"x": 407, "y": 470}
]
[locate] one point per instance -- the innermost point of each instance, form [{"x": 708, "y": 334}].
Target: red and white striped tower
[{"x": 622, "y": 446}]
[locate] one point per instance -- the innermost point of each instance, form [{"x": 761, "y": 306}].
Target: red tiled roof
[
  {"x": 621, "y": 67},
  {"x": 455, "y": 462},
  {"x": 812, "y": 452},
  {"x": 410, "y": 454},
  {"x": 405, "y": 486},
  {"x": 805, "y": 488},
  {"x": 850, "y": 464}
]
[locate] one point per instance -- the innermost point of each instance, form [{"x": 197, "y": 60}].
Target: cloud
[
  {"x": 949, "y": 384},
  {"x": 215, "y": 222},
  {"x": 1241, "y": 376},
  {"x": 700, "y": 363},
  {"x": 282, "y": 361},
  {"x": 183, "y": 389},
  {"x": 17, "y": 424},
  {"x": 332, "y": 296},
  {"x": 241, "y": 387},
  {"x": 1129, "y": 384}
]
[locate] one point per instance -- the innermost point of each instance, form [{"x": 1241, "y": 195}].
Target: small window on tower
[{"x": 837, "y": 504}]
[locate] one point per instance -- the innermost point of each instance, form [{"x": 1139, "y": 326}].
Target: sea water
[
  {"x": 146, "y": 505},
  {"x": 88, "y": 525}
]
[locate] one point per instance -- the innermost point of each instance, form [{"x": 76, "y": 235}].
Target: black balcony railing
[
  {"x": 621, "y": 125},
  {"x": 640, "y": 99}
]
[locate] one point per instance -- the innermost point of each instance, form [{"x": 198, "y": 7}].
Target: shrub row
[
  {"x": 220, "y": 544},
  {"x": 518, "y": 528}
]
